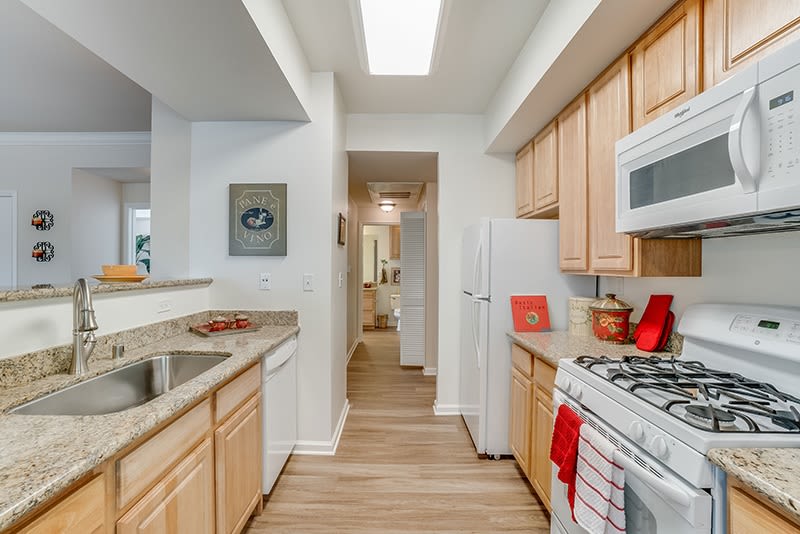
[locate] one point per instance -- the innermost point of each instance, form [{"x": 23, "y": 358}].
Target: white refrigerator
[{"x": 500, "y": 258}]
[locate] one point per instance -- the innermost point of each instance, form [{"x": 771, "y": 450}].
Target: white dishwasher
[{"x": 279, "y": 409}]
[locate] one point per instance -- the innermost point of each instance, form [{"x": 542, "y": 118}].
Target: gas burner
[
  {"x": 708, "y": 399},
  {"x": 708, "y": 414}
]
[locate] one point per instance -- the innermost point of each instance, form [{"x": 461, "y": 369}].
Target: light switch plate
[{"x": 308, "y": 282}]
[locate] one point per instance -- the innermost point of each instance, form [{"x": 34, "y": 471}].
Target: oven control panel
[{"x": 786, "y": 330}]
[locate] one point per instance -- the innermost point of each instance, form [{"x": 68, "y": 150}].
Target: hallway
[{"x": 398, "y": 468}]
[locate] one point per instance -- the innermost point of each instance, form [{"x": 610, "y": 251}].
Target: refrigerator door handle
[
  {"x": 476, "y": 276},
  {"x": 475, "y": 334}
]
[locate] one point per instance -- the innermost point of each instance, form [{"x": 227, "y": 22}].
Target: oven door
[{"x": 656, "y": 500}]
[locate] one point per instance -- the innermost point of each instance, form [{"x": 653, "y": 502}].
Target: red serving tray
[{"x": 204, "y": 330}]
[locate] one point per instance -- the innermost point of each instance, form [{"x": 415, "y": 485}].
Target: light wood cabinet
[
  {"x": 545, "y": 172},
  {"x": 748, "y": 513},
  {"x": 541, "y": 466},
  {"x": 238, "y": 467},
  {"x": 572, "y": 231},
  {"x": 525, "y": 180},
  {"x": 608, "y": 119},
  {"x": 520, "y": 419},
  {"x": 368, "y": 309},
  {"x": 665, "y": 63},
  {"x": 394, "y": 242},
  {"x": 531, "y": 418},
  {"x": 740, "y": 32},
  {"x": 82, "y": 512},
  {"x": 182, "y": 502}
]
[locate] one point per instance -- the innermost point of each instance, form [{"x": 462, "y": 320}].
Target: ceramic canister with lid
[
  {"x": 580, "y": 317},
  {"x": 611, "y": 319}
]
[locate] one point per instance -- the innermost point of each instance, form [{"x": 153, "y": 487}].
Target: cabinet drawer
[
  {"x": 80, "y": 513},
  {"x": 237, "y": 391},
  {"x": 145, "y": 465},
  {"x": 521, "y": 359},
  {"x": 544, "y": 375}
]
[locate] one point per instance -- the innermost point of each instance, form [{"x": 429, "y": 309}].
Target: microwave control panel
[
  {"x": 767, "y": 327},
  {"x": 782, "y": 131}
]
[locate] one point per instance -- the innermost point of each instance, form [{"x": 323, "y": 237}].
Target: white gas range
[{"x": 735, "y": 385}]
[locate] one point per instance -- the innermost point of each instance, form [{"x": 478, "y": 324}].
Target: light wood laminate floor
[{"x": 398, "y": 468}]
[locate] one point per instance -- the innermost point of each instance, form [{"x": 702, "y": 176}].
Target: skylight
[{"x": 400, "y": 35}]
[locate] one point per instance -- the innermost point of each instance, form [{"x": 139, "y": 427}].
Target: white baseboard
[
  {"x": 446, "y": 409},
  {"x": 429, "y": 371},
  {"x": 352, "y": 349},
  {"x": 324, "y": 448}
]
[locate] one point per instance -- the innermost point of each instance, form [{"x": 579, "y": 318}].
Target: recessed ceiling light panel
[{"x": 400, "y": 35}]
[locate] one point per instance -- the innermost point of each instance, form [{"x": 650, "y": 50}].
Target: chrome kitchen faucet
[{"x": 83, "y": 326}]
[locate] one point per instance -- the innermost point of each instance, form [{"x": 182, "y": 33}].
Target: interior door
[
  {"x": 412, "y": 288},
  {"x": 8, "y": 239}
]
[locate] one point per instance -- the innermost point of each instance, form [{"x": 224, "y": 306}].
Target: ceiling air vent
[
  {"x": 402, "y": 191},
  {"x": 396, "y": 195}
]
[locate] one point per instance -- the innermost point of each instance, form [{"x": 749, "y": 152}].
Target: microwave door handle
[
  {"x": 735, "y": 149},
  {"x": 670, "y": 492}
]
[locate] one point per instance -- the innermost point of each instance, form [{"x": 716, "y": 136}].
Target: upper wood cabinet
[
  {"x": 665, "y": 63},
  {"x": 571, "y": 168},
  {"x": 394, "y": 242},
  {"x": 740, "y": 32},
  {"x": 608, "y": 119},
  {"x": 545, "y": 171},
  {"x": 525, "y": 180}
]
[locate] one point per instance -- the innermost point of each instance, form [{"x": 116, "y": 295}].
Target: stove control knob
[
  {"x": 636, "y": 431},
  {"x": 577, "y": 391},
  {"x": 568, "y": 385},
  {"x": 659, "y": 446}
]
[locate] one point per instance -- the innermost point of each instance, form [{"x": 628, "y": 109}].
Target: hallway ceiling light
[
  {"x": 387, "y": 205},
  {"x": 400, "y": 35}
]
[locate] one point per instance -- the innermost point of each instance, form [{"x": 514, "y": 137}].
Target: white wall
[
  {"x": 429, "y": 204},
  {"x": 39, "y": 324},
  {"x": 38, "y": 166},
  {"x": 169, "y": 193},
  {"x": 305, "y": 156},
  {"x": 96, "y": 223},
  {"x": 752, "y": 269},
  {"x": 136, "y": 192},
  {"x": 471, "y": 184},
  {"x": 353, "y": 280}
]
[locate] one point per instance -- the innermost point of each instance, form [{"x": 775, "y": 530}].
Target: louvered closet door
[{"x": 412, "y": 288}]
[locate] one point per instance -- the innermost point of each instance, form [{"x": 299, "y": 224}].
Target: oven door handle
[{"x": 674, "y": 494}]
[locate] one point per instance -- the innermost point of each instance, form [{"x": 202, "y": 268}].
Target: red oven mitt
[{"x": 653, "y": 329}]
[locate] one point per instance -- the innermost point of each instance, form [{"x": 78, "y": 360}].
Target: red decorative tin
[{"x": 611, "y": 319}]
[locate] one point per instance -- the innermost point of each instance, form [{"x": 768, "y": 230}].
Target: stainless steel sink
[{"x": 122, "y": 388}]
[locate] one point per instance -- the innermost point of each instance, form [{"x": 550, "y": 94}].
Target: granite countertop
[
  {"x": 42, "y": 455},
  {"x": 553, "y": 346},
  {"x": 773, "y": 473},
  {"x": 16, "y": 295}
]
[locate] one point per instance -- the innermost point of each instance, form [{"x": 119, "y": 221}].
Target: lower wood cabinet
[
  {"x": 368, "y": 307},
  {"x": 182, "y": 502},
  {"x": 748, "y": 514},
  {"x": 82, "y": 512},
  {"x": 197, "y": 474},
  {"x": 238, "y": 466},
  {"x": 531, "y": 418}
]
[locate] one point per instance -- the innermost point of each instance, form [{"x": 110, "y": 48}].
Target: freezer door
[
  {"x": 475, "y": 259},
  {"x": 472, "y": 384}
]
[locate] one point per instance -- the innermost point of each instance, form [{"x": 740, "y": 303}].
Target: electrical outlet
[
  {"x": 265, "y": 281},
  {"x": 163, "y": 306},
  {"x": 308, "y": 282}
]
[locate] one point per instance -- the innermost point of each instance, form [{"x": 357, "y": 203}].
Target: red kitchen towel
[
  {"x": 650, "y": 333},
  {"x": 564, "y": 448}
]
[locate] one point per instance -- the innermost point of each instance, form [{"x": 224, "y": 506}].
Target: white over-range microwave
[{"x": 725, "y": 163}]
